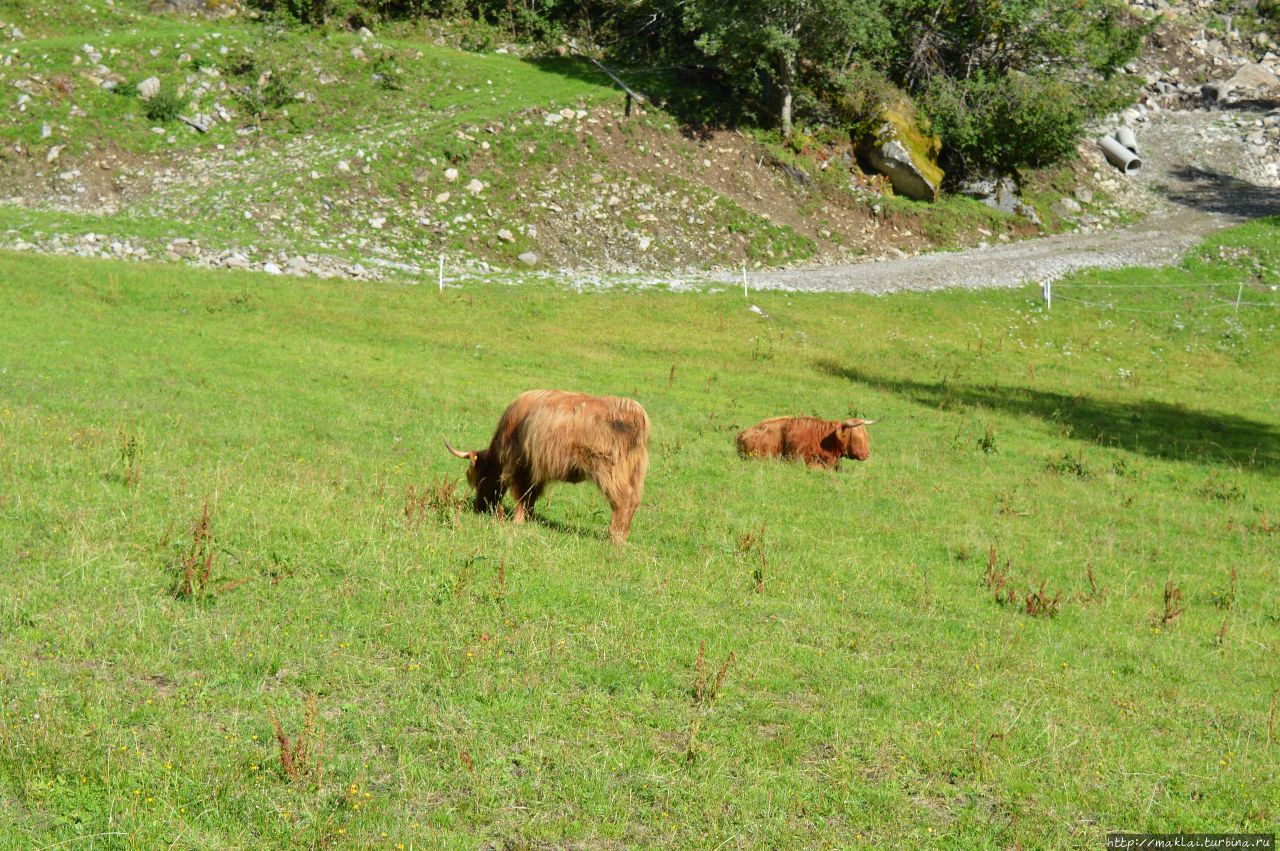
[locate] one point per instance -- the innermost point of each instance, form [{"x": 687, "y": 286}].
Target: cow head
[
  {"x": 852, "y": 436},
  {"x": 484, "y": 473}
]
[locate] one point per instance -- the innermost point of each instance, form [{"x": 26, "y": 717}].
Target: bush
[
  {"x": 853, "y": 100},
  {"x": 165, "y": 107},
  {"x": 385, "y": 73},
  {"x": 1005, "y": 122}
]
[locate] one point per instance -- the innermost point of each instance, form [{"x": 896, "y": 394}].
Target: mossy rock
[{"x": 904, "y": 151}]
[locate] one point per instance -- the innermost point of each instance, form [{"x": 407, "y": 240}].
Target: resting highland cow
[
  {"x": 819, "y": 443},
  {"x": 554, "y": 436}
]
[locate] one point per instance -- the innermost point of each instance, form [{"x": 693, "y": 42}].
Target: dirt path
[{"x": 1198, "y": 176}]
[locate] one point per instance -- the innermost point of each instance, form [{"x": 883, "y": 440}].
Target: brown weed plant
[
  {"x": 1035, "y": 603},
  {"x": 1039, "y": 605},
  {"x": 747, "y": 542},
  {"x": 1271, "y": 718},
  {"x": 301, "y": 757},
  {"x": 1096, "y": 593},
  {"x": 440, "y": 500},
  {"x": 1172, "y": 604},
  {"x": 703, "y": 695},
  {"x": 195, "y": 564},
  {"x": 130, "y": 457},
  {"x": 1227, "y": 599},
  {"x": 1220, "y": 640}
]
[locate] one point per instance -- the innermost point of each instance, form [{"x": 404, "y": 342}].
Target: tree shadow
[
  {"x": 697, "y": 96},
  {"x": 1153, "y": 428},
  {"x": 1215, "y": 192}
]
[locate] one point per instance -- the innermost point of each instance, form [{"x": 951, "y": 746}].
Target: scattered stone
[
  {"x": 149, "y": 88},
  {"x": 272, "y": 269},
  {"x": 451, "y": 174},
  {"x": 1084, "y": 195},
  {"x": 1067, "y": 207},
  {"x": 506, "y": 235},
  {"x": 475, "y": 186},
  {"x": 376, "y": 222},
  {"x": 443, "y": 198},
  {"x": 528, "y": 258}
]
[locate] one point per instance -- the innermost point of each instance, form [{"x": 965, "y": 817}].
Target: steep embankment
[{"x": 231, "y": 143}]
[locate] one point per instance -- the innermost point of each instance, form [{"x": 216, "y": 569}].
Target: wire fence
[{"x": 1050, "y": 293}]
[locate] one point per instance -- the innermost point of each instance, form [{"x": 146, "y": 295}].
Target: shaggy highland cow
[
  {"x": 819, "y": 443},
  {"x": 555, "y": 436}
]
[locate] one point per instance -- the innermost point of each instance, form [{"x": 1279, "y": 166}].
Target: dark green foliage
[
  {"x": 385, "y": 73},
  {"x": 164, "y": 106},
  {"x": 1005, "y": 122},
  {"x": 1005, "y": 83},
  {"x": 263, "y": 95}
]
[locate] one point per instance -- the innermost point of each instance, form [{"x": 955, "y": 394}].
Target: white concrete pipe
[
  {"x": 1120, "y": 156},
  {"x": 1125, "y": 137}
]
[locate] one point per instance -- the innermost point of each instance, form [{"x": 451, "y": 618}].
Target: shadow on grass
[
  {"x": 564, "y": 528},
  {"x": 698, "y": 97},
  {"x": 1153, "y": 428},
  {"x": 1215, "y": 192}
]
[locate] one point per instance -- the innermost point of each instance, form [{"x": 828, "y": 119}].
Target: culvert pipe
[
  {"x": 1119, "y": 156},
  {"x": 1125, "y": 137}
]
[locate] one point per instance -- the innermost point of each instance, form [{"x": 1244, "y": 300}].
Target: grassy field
[{"x": 457, "y": 681}]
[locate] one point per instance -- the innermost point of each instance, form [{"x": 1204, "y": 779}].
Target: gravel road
[{"x": 1198, "y": 176}]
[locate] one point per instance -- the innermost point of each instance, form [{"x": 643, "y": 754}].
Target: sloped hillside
[{"x": 235, "y": 143}]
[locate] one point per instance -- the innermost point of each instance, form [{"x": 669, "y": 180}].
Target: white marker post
[
  {"x": 744, "y": 283},
  {"x": 1046, "y": 290},
  {"x": 441, "y": 274},
  {"x": 1239, "y": 293}
]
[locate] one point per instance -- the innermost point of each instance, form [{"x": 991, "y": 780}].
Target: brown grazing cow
[
  {"x": 555, "y": 436},
  {"x": 819, "y": 443}
]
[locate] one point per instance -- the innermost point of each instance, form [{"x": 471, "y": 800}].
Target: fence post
[
  {"x": 1046, "y": 290},
  {"x": 744, "y": 283},
  {"x": 441, "y": 274}
]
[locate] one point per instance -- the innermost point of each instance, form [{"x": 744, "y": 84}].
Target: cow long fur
[
  {"x": 548, "y": 436},
  {"x": 819, "y": 443}
]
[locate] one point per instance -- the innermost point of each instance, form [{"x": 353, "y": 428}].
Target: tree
[{"x": 764, "y": 45}]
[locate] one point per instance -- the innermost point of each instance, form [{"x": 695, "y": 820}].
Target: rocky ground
[{"x": 647, "y": 204}]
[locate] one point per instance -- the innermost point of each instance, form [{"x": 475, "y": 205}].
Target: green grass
[{"x": 476, "y": 681}]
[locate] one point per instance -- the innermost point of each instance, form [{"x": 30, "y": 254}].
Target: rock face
[
  {"x": 149, "y": 88},
  {"x": 902, "y": 151}
]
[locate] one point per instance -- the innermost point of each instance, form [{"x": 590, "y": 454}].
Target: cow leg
[
  {"x": 620, "y": 524},
  {"x": 525, "y": 498},
  {"x": 525, "y": 493},
  {"x": 624, "y": 506}
]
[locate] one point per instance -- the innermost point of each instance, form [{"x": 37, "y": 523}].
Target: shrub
[
  {"x": 1005, "y": 122},
  {"x": 385, "y": 73},
  {"x": 165, "y": 107}
]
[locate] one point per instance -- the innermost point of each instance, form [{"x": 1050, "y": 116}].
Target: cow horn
[
  {"x": 467, "y": 455},
  {"x": 869, "y": 422}
]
